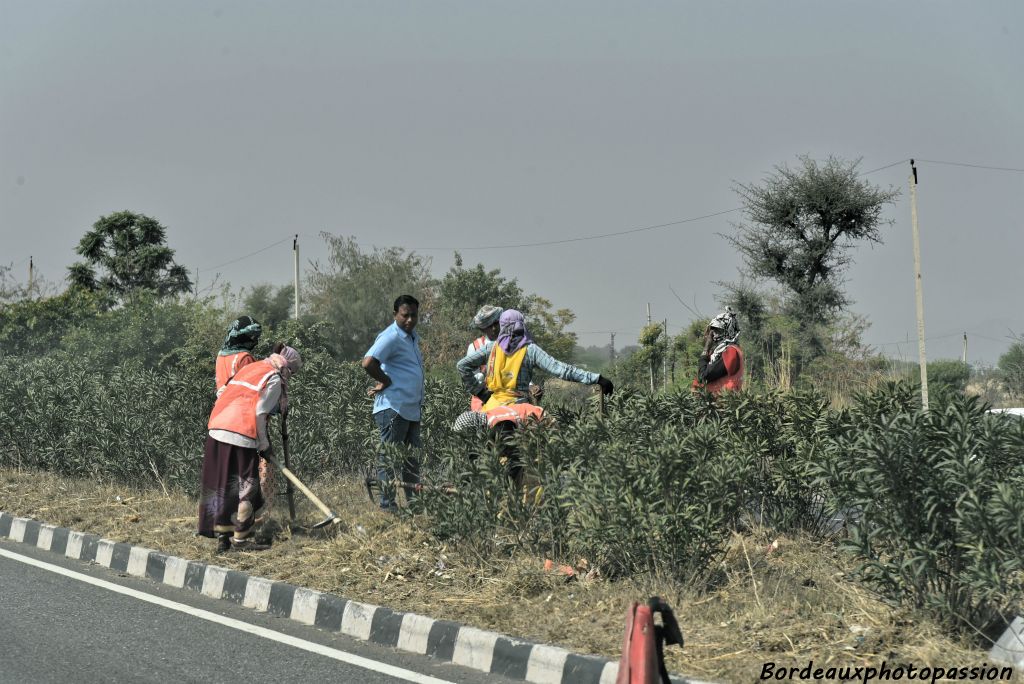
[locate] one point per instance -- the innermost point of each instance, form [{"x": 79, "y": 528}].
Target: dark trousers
[{"x": 397, "y": 430}]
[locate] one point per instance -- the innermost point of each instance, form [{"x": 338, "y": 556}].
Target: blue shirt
[
  {"x": 399, "y": 356},
  {"x": 535, "y": 358}
]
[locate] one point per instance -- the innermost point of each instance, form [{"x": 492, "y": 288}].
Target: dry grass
[{"x": 788, "y": 604}]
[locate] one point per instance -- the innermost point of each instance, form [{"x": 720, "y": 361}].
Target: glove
[
  {"x": 606, "y": 384},
  {"x": 483, "y": 395}
]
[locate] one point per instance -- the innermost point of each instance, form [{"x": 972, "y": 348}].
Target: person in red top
[{"x": 721, "y": 364}]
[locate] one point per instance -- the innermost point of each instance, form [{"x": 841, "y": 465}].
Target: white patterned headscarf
[
  {"x": 727, "y": 332},
  {"x": 487, "y": 316}
]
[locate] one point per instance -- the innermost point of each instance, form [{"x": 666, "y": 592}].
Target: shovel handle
[
  {"x": 289, "y": 490},
  {"x": 301, "y": 487}
]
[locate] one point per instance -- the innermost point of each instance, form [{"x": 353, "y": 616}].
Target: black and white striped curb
[{"x": 441, "y": 639}]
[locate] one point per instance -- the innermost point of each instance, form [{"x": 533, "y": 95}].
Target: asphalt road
[{"x": 55, "y": 628}]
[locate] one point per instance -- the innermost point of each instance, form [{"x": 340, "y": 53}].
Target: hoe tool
[{"x": 332, "y": 517}]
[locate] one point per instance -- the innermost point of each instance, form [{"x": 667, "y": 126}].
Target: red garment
[{"x": 732, "y": 358}]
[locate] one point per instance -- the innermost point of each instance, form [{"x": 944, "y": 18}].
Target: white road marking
[{"x": 319, "y": 649}]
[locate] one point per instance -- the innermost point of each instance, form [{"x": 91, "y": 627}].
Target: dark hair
[
  {"x": 278, "y": 347},
  {"x": 408, "y": 300}
]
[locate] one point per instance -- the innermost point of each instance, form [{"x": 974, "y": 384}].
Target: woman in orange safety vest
[
  {"x": 242, "y": 338},
  {"x": 230, "y": 486}
]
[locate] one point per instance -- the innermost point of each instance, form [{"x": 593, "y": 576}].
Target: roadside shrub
[{"x": 937, "y": 502}]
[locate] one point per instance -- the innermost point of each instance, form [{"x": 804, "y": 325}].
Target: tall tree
[
  {"x": 355, "y": 290},
  {"x": 269, "y": 305},
  {"x": 126, "y": 253},
  {"x": 1011, "y": 367},
  {"x": 801, "y": 225}
]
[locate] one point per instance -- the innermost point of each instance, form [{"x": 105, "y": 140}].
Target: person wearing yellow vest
[
  {"x": 720, "y": 366},
  {"x": 487, "y": 321},
  {"x": 230, "y": 492},
  {"x": 236, "y": 352},
  {"x": 504, "y": 391}
]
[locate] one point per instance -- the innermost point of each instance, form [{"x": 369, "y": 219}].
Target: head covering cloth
[
  {"x": 487, "y": 316},
  {"x": 288, "y": 361},
  {"x": 727, "y": 330},
  {"x": 513, "y": 335},
  {"x": 243, "y": 335}
]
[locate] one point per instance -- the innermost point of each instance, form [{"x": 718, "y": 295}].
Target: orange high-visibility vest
[
  {"x": 235, "y": 410},
  {"x": 230, "y": 364},
  {"x": 733, "y": 379},
  {"x": 515, "y": 413}
]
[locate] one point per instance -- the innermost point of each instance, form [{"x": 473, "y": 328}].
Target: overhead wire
[
  {"x": 971, "y": 166},
  {"x": 246, "y": 256},
  {"x": 618, "y": 233}
]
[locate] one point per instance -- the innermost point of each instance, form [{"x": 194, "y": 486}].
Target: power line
[
  {"x": 631, "y": 231},
  {"x": 887, "y": 166},
  {"x": 972, "y": 166},
  {"x": 246, "y": 256},
  {"x": 585, "y": 237}
]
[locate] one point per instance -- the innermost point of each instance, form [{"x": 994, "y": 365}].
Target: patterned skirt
[{"x": 229, "y": 490}]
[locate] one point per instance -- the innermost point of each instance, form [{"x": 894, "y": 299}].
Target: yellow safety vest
[{"x": 502, "y": 377}]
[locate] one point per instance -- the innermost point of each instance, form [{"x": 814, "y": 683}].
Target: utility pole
[
  {"x": 611, "y": 347},
  {"x": 295, "y": 251},
  {"x": 664, "y": 363},
  {"x": 652, "y": 349},
  {"x": 195, "y": 284},
  {"x": 918, "y": 292},
  {"x": 965, "y": 349},
  {"x": 31, "y": 275}
]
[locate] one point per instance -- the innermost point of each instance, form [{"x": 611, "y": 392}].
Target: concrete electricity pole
[
  {"x": 611, "y": 347},
  {"x": 919, "y": 295},
  {"x": 652, "y": 349},
  {"x": 295, "y": 251}
]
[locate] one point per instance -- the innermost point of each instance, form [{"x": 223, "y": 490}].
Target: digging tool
[
  {"x": 332, "y": 517},
  {"x": 289, "y": 489}
]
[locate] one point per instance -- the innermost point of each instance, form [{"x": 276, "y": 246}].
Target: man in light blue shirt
[{"x": 395, "y": 362}]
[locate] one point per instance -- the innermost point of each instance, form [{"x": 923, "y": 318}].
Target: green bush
[
  {"x": 936, "y": 502},
  {"x": 933, "y": 501}
]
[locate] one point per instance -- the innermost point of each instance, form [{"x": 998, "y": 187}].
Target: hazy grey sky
[{"x": 438, "y": 124}]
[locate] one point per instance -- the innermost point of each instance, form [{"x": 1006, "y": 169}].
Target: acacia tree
[
  {"x": 126, "y": 253},
  {"x": 801, "y": 225}
]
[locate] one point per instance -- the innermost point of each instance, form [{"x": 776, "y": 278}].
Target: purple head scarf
[{"x": 513, "y": 335}]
